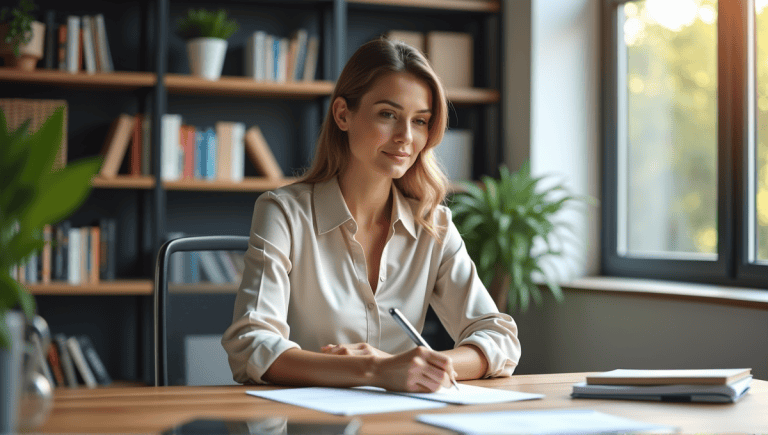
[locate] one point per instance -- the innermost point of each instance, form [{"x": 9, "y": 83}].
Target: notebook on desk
[{"x": 727, "y": 385}]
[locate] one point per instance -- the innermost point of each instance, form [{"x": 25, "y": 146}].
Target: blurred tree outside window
[
  {"x": 686, "y": 198},
  {"x": 761, "y": 73},
  {"x": 669, "y": 203}
]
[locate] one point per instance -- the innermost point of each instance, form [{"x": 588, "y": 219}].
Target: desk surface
[{"x": 152, "y": 409}]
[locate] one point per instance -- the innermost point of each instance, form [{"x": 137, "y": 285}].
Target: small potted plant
[
  {"x": 509, "y": 228},
  {"x": 32, "y": 195},
  {"x": 206, "y": 34},
  {"x": 21, "y": 37}
]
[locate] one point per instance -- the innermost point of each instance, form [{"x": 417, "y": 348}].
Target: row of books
[
  {"x": 218, "y": 267},
  {"x": 80, "y": 44},
  {"x": 72, "y": 362},
  {"x": 74, "y": 255},
  {"x": 272, "y": 58},
  {"x": 188, "y": 152}
]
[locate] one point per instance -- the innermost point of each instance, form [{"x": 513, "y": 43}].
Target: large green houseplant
[
  {"x": 509, "y": 229},
  {"x": 33, "y": 195}
]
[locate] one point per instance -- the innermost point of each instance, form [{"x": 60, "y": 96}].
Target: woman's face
[{"x": 390, "y": 127}]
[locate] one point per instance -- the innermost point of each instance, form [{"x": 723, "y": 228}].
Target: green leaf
[
  {"x": 488, "y": 254},
  {"x": 44, "y": 145},
  {"x": 469, "y": 224},
  {"x": 66, "y": 190},
  {"x": 13, "y": 293}
]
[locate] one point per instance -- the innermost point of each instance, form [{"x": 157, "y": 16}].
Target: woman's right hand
[{"x": 419, "y": 370}]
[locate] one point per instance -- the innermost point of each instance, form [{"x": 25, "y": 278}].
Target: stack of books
[{"x": 716, "y": 385}]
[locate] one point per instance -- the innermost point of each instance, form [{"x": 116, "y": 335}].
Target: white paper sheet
[
  {"x": 566, "y": 421},
  {"x": 469, "y": 395},
  {"x": 345, "y": 401}
]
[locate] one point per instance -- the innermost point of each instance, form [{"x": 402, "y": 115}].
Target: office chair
[{"x": 184, "y": 244}]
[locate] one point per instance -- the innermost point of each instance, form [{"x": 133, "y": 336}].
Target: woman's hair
[{"x": 424, "y": 181}]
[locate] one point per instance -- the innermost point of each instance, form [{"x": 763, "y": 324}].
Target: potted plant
[
  {"x": 509, "y": 229},
  {"x": 206, "y": 34},
  {"x": 21, "y": 37},
  {"x": 32, "y": 195}
]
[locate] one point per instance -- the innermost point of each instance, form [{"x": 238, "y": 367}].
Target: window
[{"x": 686, "y": 140}]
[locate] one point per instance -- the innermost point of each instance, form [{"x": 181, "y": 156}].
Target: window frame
[{"x": 736, "y": 138}]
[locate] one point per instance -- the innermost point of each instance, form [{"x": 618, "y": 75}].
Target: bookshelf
[{"x": 290, "y": 114}]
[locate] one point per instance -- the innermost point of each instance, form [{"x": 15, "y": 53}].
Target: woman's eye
[
  {"x": 388, "y": 115},
  {"x": 421, "y": 122}
]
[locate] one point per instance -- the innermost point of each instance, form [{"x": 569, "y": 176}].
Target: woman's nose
[{"x": 404, "y": 133}]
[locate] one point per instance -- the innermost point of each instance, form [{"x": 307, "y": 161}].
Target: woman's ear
[{"x": 340, "y": 112}]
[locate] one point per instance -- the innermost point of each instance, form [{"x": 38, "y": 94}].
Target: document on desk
[
  {"x": 469, "y": 395},
  {"x": 346, "y": 401},
  {"x": 566, "y": 421}
]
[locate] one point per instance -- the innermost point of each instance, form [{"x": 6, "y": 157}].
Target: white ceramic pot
[
  {"x": 206, "y": 57},
  {"x": 11, "y": 361}
]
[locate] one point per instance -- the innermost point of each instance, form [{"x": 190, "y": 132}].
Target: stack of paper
[{"x": 718, "y": 385}]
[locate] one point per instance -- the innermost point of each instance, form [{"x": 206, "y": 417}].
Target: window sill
[{"x": 714, "y": 294}]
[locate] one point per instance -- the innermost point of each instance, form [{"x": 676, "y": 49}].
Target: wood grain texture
[{"x": 152, "y": 409}]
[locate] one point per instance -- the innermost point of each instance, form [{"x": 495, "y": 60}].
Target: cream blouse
[{"x": 305, "y": 284}]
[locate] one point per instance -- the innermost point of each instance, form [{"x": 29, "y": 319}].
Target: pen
[{"x": 412, "y": 333}]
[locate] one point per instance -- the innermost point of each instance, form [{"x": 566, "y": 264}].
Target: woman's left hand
[{"x": 353, "y": 349}]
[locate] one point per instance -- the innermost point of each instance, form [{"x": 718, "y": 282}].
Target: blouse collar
[{"x": 332, "y": 212}]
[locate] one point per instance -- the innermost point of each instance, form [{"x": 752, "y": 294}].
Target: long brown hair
[{"x": 424, "y": 181}]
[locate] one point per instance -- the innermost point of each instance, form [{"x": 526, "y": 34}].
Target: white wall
[{"x": 560, "y": 87}]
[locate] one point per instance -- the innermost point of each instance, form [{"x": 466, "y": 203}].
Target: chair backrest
[{"x": 184, "y": 244}]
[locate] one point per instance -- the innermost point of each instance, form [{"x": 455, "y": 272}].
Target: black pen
[{"x": 413, "y": 334}]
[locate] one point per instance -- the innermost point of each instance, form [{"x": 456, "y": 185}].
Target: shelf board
[
  {"x": 204, "y": 287},
  {"x": 123, "y": 80},
  {"x": 459, "y": 5},
  {"x": 246, "y": 87},
  {"x": 124, "y": 182},
  {"x": 118, "y": 287},
  {"x": 473, "y": 95},
  {"x": 249, "y": 184}
]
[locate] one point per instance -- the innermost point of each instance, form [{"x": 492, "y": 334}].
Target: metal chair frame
[{"x": 202, "y": 243}]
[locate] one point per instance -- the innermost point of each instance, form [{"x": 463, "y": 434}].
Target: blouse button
[
  {"x": 371, "y": 306},
  {"x": 381, "y": 278}
]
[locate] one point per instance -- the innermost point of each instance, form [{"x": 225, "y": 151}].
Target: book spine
[
  {"x": 47, "y": 253},
  {"x": 67, "y": 365},
  {"x": 51, "y": 35},
  {"x": 238, "y": 152},
  {"x": 73, "y": 344},
  {"x": 170, "y": 147},
  {"x": 259, "y": 56},
  {"x": 103, "y": 44},
  {"x": 85, "y": 258},
  {"x": 94, "y": 254},
  {"x": 210, "y": 151},
  {"x": 62, "y": 47},
  {"x": 73, "y": 44},
  {"x": 73, "y": 256},
  {"x": 100, "y": 373},
  {"x": 107, "y": 249},
  {"x": 54, "y": 361},
  {"x": 88, "y": 49}
]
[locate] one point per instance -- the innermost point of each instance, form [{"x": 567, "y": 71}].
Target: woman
[{"x": 362, "y": 232}]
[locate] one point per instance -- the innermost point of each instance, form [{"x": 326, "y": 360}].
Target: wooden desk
[{"x": 151, "y": 409}]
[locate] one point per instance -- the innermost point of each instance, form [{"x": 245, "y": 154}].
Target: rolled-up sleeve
[
  {"x": 259, "y": 331},
  {"x": 468, "y": 312}
]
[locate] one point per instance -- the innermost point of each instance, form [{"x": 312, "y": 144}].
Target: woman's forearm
[
  {"x": 302, "y": 368},
  {"x": 468, "y": 361}
]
